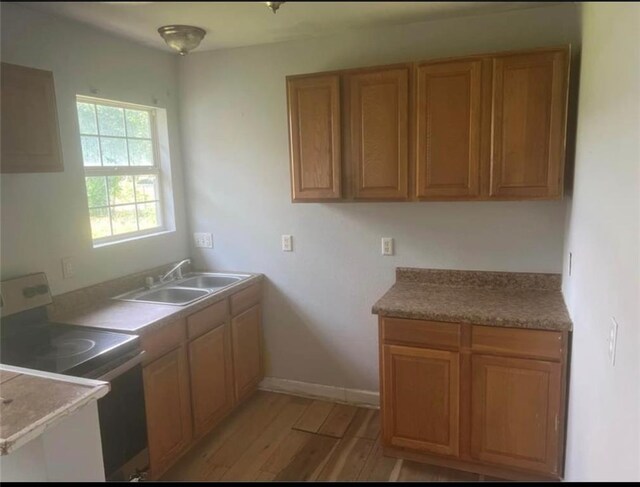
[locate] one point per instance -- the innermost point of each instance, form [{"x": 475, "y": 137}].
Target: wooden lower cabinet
[
  {"x": 197, "y": 370},
  {"x": 515, "y": 407},
  {"x": 168, "y": 408},
  {"x": 484, "y": 399},
  {"x": 246, "y": 336},
  {"x": 421, "y": 409},
  {"x": 211, "y": 378}
]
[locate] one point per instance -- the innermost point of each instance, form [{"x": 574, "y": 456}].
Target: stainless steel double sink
[{"x": 181, "y": 292}]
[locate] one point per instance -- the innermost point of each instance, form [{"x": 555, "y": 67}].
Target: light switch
[
  {"x": 67, "y": 267},
  {"x": 203, "y": 240},
  {"x": 287, "y": 243},
  {"x": 387, "y": 246}
]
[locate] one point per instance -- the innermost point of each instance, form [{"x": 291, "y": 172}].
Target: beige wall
[
  {"x": 318, "y": 325},
  {"x": 603, "y": 234},
  {"x": 45, "y": 216}
]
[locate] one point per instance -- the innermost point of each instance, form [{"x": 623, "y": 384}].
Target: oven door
[{"x": 123, "y": 425}]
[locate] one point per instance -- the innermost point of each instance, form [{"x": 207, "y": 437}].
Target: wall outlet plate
[
  {"x": 203, "y": 240},
  {"x": 287, "y": 243},
  {"x": 68, "y": 270},
  {"x": 387, "y": 246},
  {"x": 612, "y": 341}
]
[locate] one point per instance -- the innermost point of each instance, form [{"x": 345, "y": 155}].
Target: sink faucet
[{"x": 177, "y": 269}]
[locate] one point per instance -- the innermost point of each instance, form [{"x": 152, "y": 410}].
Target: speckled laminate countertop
[
  {"x": 32, "y": 401},
  {"x": 127, "y": 316},
  {"x": 508, "y": 299}
]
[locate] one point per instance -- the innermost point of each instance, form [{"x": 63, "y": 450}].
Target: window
[{"x": 122, "y": 171}]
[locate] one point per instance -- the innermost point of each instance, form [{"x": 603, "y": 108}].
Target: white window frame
[{"x": 102, "y": 171}]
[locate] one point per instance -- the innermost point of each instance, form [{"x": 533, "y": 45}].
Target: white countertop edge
[{"x": 97, "y": 389}]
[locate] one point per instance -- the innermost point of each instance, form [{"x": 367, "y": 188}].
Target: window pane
[
  {"x": 146, "y": 187},
  {"x": 120, "y": 190},
  {"x": 114, "y": 151},
  {"x": 111, "y": 120},
  {"x": 138, "y": 123},
  {"x": 123, "y": 219},
  {"x": 148, "y": 215},
  {"x": 100, "y": 226},
  {"x": 87, "y": 118},
  {"x": 90, "y": 150},
  {"x": 97, "y": 191},
  {"x": 140, "y": 152}
]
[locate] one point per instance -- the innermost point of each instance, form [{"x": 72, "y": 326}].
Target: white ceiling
[{"x": 235, "y": 24}]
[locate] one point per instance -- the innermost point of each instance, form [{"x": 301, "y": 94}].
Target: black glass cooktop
[{"x": 30, "y": 340}]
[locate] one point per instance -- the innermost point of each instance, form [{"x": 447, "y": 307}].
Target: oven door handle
[{"x": 122, "y": 368}]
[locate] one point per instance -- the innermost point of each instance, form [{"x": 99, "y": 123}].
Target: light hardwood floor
[{"x": 281, "y": 437}]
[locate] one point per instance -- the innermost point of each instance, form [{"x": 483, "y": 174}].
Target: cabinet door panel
[
  {"x": 420, "y": 398},
  {"x": 168, "y": 407},
  {"x": 378, "y": 104},
  {"x": 529, "y": 123},
  {"x": 449, "y": 129},
  {"x": 30, "y": 134},
  {"x": 211, "y": 378},
  {"x": 314, "y": 132},
  {"x": 246, "y": 337},
  {"x": 515, "y": 407}
]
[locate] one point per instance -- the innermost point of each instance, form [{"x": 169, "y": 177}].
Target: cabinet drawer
[
  {"x": 163, "y": 340},
  {"x": 540, "y": 344},
  {"x": 245, "y": 299},
  {"x": 207, "y": 319},
  {"x": 421, "y": 332}
]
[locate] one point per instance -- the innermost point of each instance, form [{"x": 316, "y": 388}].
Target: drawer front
[
  {"x": 207, "y": 319},
  {"x": 540, "y": 344},
  {"x": 245, "y": 299},
  {"x": 421, "y": 333},
  {"x": 160, "y": 341}
]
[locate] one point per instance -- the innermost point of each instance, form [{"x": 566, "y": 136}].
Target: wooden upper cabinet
[
  {"x": 448, "y": 129},
  {"x": 211, "y": 378},
  {"x": 529, "y": 124},
  {"x": 314, "y": 136},
  {"x": 420, "y": 392},
  {"x": 515, "y": 409},
  {"x": 480, "y": 127},
  {"x": 377, "y": 104},
  {"x": 168, "y": 408},
  {"x": 246, "y": 338},
  {"x": 29, "y": 120}
]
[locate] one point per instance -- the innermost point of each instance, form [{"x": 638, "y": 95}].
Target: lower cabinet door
[
  {"x": 420, "y": 393},
  {"x": 168, "y": 407},
  {"x": 515, "y": 406},
  {"x": 211, "y": 378},
  {"x": 246, "y": 338}
]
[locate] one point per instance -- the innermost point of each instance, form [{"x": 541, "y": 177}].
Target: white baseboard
[{"x": 356, "y": 397}]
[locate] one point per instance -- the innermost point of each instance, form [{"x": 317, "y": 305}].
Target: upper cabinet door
[
  {"x": 378, "y": 107},
  {"x": 449, "y": 116},
  {"x": 314, "y": 135},
  {"x": 529, "y": 124},
  {"x": 30, "y": 135}
]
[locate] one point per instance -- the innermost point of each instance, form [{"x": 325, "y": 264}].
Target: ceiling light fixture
[
  {"x": 274, "y": 6},
  {"x": 182, "y": 38}
]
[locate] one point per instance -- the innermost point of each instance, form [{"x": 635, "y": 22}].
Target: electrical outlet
[
  {"x": 387, "y": 246},
  {"x": 287, "y": 243},
  {"x": 203, "y": 240},
  {"x": 613, "y": 339},
  {"x": 68, "y": 270}
]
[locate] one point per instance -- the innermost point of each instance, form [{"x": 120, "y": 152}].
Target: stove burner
[{"x": 64, "y": 348}]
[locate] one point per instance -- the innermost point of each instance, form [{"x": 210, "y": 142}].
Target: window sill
[{"x": 131, "y": 239}]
